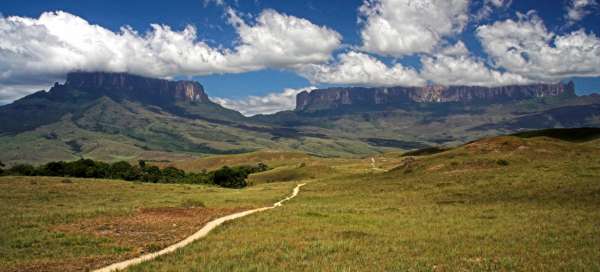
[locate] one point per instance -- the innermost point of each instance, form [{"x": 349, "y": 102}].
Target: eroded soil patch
[{"x": 146, "y": 230}]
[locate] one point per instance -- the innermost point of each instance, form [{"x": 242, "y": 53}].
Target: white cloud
[
  {"x": 403, "y": 27},
  {"x": 577, "y": 9},
  {"x": 489, "y": 6},
  {"x": 270, "y": 103},
  {"x": 458, "y": 49},
  {"x": 279, "y": 40},
  {"x": 465, "y": 70},
  {"x": 48, "y": 47},
  {"x": 525, "y": 47},
  {"x": 9, "y": 93},
  {"x": 357, "y": 68}
]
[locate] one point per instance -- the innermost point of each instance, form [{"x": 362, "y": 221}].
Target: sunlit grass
[{"x": 454, "y": 211}]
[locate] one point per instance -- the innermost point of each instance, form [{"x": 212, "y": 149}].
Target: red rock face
[
  {"x": 339, "y": 97},
  {"x": 138, "y": 87}
]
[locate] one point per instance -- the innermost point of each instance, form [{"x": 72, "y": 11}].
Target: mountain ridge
[
  {"x": 182, "y": 90},
  {"x": 338, "y": 97},
  {"x": 116, "y": 116}
]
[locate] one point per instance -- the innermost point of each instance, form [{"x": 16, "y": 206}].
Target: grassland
[
  {"x": 58, "y": 224},
  {"x": 500, "y": 204},
  {"x": 497, "y": 204}
]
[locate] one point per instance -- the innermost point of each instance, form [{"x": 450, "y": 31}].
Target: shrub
[
  {"x": 502, "y": 162},
  {"x": 172, "y": 175},
  {"x": 54, "y": 169},
  {"x": 124, "y": 170},
  {"x": 230, "y": 178},
  {"x": 261, "y": 167},
  {"x": 83, "y": 168},
  {"x": 151, "y": 174},
  {"x": 22, "y": 169}
]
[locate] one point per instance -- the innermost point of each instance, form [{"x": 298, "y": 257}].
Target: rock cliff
[
  {"x": 137, "y": 87},
  {"x": 333, "y": 98}
]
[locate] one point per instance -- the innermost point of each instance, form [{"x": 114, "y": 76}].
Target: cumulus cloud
[
  {"x": 577, "y": 9},
  {"x": 489, "y": 6},
  {"x": 456, "y": 66},
  {"x": 270, "y": 103},
  {"x": 450, "y": 65},
  {"x": 279, "y": 40},
  {"x": 356, "y": 68},
  {"x": 403, "y": 27},
  {"x": 525, "y": 47},
  {"x": 56, "y": 43}
]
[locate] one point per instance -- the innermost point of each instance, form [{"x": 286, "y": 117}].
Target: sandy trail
[{"x": 199, "y": 234}]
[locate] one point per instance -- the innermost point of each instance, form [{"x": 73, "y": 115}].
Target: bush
[
  {"x": 230, "y": 177},
  {"x": 261, "y": 167},
  {"x": 22, "y": 170},
  {"x": 53, "y": 169},
  {"x": 502, "y": 162},
  {"x": 82, "y": 168},
  {"x": 151, "y": 174},
  {"x": 124, "y": 170},
  {"x": 172, "y": 175}
]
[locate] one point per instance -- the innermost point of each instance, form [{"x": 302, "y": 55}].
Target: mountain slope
[
  {"x": 405, "y": 124},
  {"x": 116, "y": 116}
]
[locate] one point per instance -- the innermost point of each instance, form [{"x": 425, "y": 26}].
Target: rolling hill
[{"x": 524, "y": 202}]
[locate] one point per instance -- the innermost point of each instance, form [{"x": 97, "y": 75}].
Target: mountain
[
  {"x": 119, "y": 116},
  {"x": 415, "y": 117},
  {"x": 125, "y": 86},
  {"x": 334, "y": 98},
  {"x": 83, "y": 89}
]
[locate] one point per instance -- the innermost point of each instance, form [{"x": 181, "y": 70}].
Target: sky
[{"x": 256, "y": 55}]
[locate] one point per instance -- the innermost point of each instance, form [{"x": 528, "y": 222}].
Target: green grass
[
  {"x": 298, "y": 172},
  {"x": 31, "y": 208},
  {"x": 455, "y": 211},
  {"x": 497, "y": 204}
]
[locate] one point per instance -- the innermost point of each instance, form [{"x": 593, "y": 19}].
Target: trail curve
[{"x": 199, "y": 234}]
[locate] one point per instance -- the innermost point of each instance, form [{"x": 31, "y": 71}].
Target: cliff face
[
  {"x": 333, "y": 98},
  {"x": 136, "y": 87}
]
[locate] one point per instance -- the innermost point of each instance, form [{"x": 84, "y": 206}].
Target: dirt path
[{"x": 199, "y": 234}]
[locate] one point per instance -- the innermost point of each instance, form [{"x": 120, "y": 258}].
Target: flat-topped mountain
[
  {"x": 83, "y": 90},
  {"x": 137, "y": 87},
  {"x": 116, "y": 116},
  {"x": 334, "y": 98}
]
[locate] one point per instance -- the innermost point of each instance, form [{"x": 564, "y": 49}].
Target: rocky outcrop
[
  {"x": 333, "y": 98},
  {"x": 137, "y": 87}
]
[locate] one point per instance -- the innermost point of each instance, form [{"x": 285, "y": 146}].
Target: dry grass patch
[{"x": 146, "y": 230}]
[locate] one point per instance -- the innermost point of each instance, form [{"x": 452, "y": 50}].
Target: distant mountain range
[
  {"x": 334, "y": 98},
  {"x": 118, "y": 116}
]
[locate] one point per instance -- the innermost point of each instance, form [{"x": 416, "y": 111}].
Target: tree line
[{"x": 230, "y": 177}]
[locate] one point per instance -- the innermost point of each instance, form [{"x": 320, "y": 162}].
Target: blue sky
[{"x": 346, "y": 42}]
